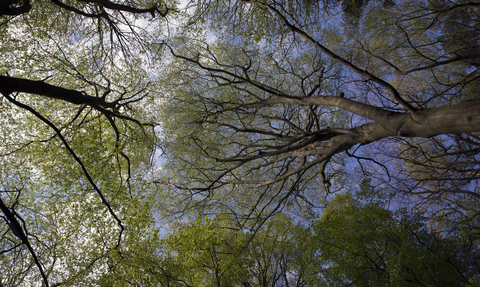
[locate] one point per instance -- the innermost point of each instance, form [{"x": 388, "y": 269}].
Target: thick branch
[
  {"x": 394, "y": 93},
  {"x": 363, "y": 110},
  {"x": 10, "y": 85},
  {"x": 78, "y": 11},
  {"x": 12, "y": 7},
  {"x": 126, "y": 8},
  {"x": 460, "y": 118},
  {"x": 17, "y": 230}
]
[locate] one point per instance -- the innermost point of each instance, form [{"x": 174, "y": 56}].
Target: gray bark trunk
[{"x": 460, "y": 118}]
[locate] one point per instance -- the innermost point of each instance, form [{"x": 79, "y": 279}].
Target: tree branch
[
  {"x": 76, "y": 158},
  {"x": 9, "y": 85},
  {"x": 393, "y": 92},
  {"x": 17, "y": 230}
]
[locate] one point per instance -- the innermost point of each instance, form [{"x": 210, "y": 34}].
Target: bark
[
  {"x": 14, "y": 7},
  {"x": 10, "y": 85},
  {"x": 460, "y": 118},
  {"x": 126, "y": 8}
]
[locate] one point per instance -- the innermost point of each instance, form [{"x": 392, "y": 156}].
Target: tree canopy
[
  {"x": 273, "y": 115},
  {"x": 202, "y": 143},
  {"x": 355, "y": 241}
]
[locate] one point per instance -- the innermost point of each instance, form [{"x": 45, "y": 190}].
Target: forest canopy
[{"x": 239, "y": 143}]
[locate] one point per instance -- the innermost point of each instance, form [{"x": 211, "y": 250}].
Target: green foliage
[
  {"x": 356, "y": 240},
  {"x": 368, "y": 245},
  {"x": 77, "y": 173},
  {"x": 211, "y": 252}
]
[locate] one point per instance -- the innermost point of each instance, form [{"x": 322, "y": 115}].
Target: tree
[
  {"x": 76, "y": 140},
  {"x": 269, "y": 116},
  {"x": 362, "y": 243},
  {"x": 257, "y": 124},
  {"x": 213, "y": 252},
  {"x": 356, "y": 241}
]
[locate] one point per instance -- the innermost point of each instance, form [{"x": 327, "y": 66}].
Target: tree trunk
[{"x": 460, "y": 118}]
